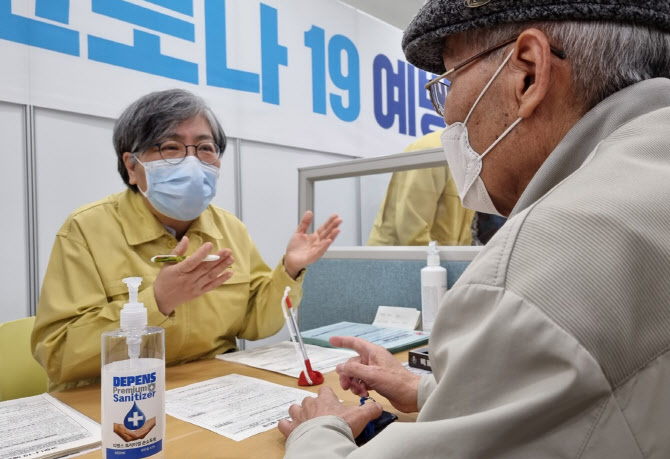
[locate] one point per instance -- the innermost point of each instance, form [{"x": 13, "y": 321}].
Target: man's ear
[
  {"x": 130, "y": 163},
  {"x": 532, "y": 61}
]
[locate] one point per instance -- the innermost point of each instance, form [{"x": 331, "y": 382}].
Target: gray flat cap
[{"x": 424, "y": 38}]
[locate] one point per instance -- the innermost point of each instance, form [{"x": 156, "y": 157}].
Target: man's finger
[
  {"x": 285, "y": 427},
  {"x": 351, "y": 342},
  {"x": 345, "y": 382},
  {"x": 357, "y": 371},
  {"x": 327, "y": 392},
  {"x": 356, "y": 359},
  {"x": 294, "y": 411},
  {"x": 358, "y": 387}
]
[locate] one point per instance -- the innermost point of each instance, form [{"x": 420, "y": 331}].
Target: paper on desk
[
  {"x": 416, "y": 371},
  {"x": 234, "y": 406},
  {"x": 397, "y": 317},
  {"x": 282, "y": 358},
  {"x": 43, "y": 427}
]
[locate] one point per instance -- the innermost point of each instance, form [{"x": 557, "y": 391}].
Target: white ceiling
[{"x": 396, "y": 12}]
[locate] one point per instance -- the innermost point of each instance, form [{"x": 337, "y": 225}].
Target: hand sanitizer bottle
[
  {"x": 133, "y": 384},
  {"x": 433, "y": 286}
]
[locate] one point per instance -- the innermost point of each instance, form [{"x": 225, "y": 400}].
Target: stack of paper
[
  {"x": 416, "y": 371},
  {"x": 393, "y": 339},
  {"x": 282, "y": 358},
  {"x": 43, "y": 427}
]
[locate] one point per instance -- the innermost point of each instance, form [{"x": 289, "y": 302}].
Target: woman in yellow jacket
[
  {"x": 169, "y": 146},
  {"x": 422, "y": 205}
]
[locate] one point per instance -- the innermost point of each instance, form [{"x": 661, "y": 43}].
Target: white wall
[
  {"x": 14, "y": 268},
  {"x": 76, "y": 165},
  {"x": 373, "y": 190},
  {"x": 396, "y": 13},
  {"x": 340, "y": 197},
  {"x": 270, "y": 193}
]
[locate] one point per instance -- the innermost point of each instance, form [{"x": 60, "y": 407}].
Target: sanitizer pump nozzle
[
  {"x": 133, "y": 317},
  {"x": 433, "y": 254}
]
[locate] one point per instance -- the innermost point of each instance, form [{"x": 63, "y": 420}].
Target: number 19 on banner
[{"x": 345, "y": 77}]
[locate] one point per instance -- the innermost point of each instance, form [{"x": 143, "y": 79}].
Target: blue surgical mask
[{"x": 181, "y": 191}]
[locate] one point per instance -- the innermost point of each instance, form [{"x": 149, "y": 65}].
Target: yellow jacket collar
[{"x": 140, "y": 225}]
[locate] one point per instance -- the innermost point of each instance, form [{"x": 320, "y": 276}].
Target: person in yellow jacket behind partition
[
  {"x": 422, "y": 205},
  {"x": 169, "y": 146}
]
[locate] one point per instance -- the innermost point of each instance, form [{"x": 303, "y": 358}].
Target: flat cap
[{"x": 423, "y": 40}]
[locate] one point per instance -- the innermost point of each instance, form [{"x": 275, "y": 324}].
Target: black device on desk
[
  {"x": 418, "y": 358},
  {"x": 375, "y": 426}
]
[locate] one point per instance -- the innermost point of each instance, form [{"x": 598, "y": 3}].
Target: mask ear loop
[
  {"x": 502, "y": 136},
  {"x": 488, "y": 85}
]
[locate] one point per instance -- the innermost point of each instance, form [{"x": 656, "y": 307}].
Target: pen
[
  {"x": 308, "y": 377},
  {"x": 178, "y": 258}
]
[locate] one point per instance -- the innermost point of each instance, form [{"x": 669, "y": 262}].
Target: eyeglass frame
[
  {"x": 556, "y": 51},
  {"x": 160, "y": 152}
]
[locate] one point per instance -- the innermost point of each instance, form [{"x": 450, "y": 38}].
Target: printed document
[
  {"x": 283, "y": 358},
  {"x": 234, "y": 406},
  {"x": 43, "y": 427},
  {"x": 416, "y": 371}
]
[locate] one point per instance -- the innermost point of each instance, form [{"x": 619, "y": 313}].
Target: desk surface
[{"x": 187, "y": 440}]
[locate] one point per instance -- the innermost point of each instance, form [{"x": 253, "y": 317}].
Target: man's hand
[
  {"x": 327, "y": 404},
  {"x": 376, "y": 369},
  {"x": 304, "y": 249},
  {"x": 181, "y": 282}
]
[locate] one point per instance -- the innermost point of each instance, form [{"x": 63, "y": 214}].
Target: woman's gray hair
[
  {"x": 153, "y": 118},
  {"x": 605, "y": 56}
]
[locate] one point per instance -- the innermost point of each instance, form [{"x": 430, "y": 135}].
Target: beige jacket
[{"x": 554, "y": 343}]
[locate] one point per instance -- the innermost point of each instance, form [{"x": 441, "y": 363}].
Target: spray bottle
[
  {"x": 433, "y": 286},
  {"x": 133, "y": 383}
]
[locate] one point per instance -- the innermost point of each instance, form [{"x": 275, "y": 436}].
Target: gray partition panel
[{"x": 338, "y": 290}]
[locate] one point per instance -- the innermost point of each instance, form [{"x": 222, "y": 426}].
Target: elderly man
[{"x": 554, "y": 343}]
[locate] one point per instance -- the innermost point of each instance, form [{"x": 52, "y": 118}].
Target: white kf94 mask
[{"x": 466, "y": 164}]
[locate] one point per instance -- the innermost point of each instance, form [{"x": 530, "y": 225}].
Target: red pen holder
[{"x": 315, "y": 376}]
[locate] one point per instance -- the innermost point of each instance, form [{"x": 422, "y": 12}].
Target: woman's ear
[
  {"x": 532, "y": 61},
  {"x": 130, "y": 163}
]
